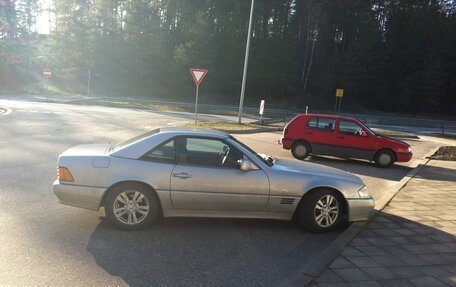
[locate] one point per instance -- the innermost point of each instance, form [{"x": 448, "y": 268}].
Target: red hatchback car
[{"x": 341, "y": 137}]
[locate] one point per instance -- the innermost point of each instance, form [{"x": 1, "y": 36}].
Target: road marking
[
  {"x": 42, "y": 112},
  {"x": 5, "y": 111}
]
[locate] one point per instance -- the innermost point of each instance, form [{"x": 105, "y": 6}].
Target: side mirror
[
  {"x": 363, "y": 133},
  {"x": 246, "y": 164}
]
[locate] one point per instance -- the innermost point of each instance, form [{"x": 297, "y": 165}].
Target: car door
[
  {"x": 202, "y": 180},
  {"x": 320, "y": 132},
  {"x": 353, "y": 141}
]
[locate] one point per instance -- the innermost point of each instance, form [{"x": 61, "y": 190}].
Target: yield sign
[{"x": 198, "y": 75}]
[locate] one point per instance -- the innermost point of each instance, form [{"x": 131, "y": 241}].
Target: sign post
[
  {"x": 261, "y": 111},
  {"x": 89, "y": 76},
  {"x": 198, "y": 76},
  {"x": 47, "y": 73},
  {"x": 339, "y": 96}
]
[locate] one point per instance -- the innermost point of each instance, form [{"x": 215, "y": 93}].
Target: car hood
[
  {"x": 87, "y": 150},
  {"x": 308, "y": 168},
  {"x": 388, "y": 139}
]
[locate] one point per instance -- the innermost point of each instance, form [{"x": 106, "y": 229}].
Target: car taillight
[{"x": 64, "y": 174}]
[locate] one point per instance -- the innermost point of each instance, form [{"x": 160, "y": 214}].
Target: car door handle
[
  {"x": 341, "y": 138},
  {"x": 308, "y": 133},
  {"x": 182, "y": 175}
]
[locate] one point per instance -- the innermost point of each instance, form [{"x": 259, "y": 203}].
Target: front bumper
[
  {"x": 359, "y": 209},
  {"x": 404, "y": 156},
  {"x": 88, "y": 197}
]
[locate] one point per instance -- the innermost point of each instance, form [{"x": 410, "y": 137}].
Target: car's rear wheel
[
  {"x": 131, "y": 206},
  {"x": 300, "y": 150},
  {"x": 384, "y": 158},
  {"x": 321, "y": 210}
]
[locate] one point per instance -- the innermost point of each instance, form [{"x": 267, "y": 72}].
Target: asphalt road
[{"x": 45, "y": 243}]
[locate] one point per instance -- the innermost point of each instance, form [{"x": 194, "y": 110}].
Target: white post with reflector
[
  {"x": 261, "y": 111},
  {"x": 198, "y": 76}
]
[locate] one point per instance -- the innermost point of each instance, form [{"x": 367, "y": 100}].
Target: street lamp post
[{"x": 246, "y": 62}]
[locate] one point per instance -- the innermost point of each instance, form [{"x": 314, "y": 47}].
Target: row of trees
[{"x": 389, "y": 55}]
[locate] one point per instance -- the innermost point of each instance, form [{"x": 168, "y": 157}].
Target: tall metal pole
[
  {"x": 196, "y": 106},
  {"x": 89, "y": 75},
  {"x": 246, "y": 62}
]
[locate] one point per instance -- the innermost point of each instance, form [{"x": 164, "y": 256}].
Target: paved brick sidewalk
[{"x": 412, "y": 242}]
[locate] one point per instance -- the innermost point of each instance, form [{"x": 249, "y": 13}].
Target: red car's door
[
  {"x": 353, "y": 141},
  {"x": 321, "y": 134}
]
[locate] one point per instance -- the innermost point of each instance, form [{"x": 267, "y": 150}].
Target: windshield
[
  {"x": 132, "y": 140},
  {"x": 269, "y": 160},
  {"x": 366, "y": 127}
]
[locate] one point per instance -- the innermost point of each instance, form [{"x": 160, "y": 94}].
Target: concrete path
[{"x": 412, "y": 242}]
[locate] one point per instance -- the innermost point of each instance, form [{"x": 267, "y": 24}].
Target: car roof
[
  {"x": 194, "y": 131},
  {"x": 327, "y": 116},
  {"x": 145, "y": 142}
]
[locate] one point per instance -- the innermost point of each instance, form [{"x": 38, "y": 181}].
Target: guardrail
[{"x": 443, "y": 127}]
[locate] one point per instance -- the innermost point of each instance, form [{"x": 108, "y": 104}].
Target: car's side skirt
[
  {"x": 342, "y": 151},
  {"x": 226, "y": 214}
]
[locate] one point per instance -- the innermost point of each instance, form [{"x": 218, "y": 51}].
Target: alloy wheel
[
  {"x": 326, "y": 211},
  {"x": 131, "y": 207}
]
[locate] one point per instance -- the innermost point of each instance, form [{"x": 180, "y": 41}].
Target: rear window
[
  {"x": 135, "y": 139},
  {"x": 323, "y": 124}
]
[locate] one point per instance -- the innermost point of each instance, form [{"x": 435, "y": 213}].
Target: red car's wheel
[{"x": 300, "y": 150}]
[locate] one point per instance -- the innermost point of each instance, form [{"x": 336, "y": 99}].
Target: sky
[{"x": 42, "y": 20}]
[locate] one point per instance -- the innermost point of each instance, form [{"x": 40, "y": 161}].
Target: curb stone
[{"x": 309, "y": 272}]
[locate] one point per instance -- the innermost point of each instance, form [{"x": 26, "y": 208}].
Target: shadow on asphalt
[
  {"x": 396, "y": 172},
  {"x": 195, "y": 252}
]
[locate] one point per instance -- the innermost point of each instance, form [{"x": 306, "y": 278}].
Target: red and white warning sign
[
  {"x": 198, "y": 75},
  {"x": 47, "y": 73}
]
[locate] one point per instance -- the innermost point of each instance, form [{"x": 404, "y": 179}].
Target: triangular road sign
[{"x": 198, "y": 75}]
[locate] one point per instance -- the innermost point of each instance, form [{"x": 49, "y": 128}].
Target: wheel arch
[
  {"x": 302, "y": 140},
  {"x": 382, "y": 149},
  {"x": 126, "y": 182},
  {"x": 317, "y": 188}
]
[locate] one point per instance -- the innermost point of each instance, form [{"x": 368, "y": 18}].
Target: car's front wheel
[
  {"x": 131, "y": 206},
  {"x": 384, "y": 158},
  {"x": 321, "y": 210}
]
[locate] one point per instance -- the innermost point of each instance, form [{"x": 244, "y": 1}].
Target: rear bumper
[
  {"x": 285, "y": 142},
  {"x": 88, "y": 197},
  {"x": 404, "y": 156},
  {"x": 360, "y": 209}
]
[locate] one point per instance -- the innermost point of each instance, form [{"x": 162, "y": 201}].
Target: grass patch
[
  {"x": 445, "y": 153},
  {"x": 232, "y": 127}
]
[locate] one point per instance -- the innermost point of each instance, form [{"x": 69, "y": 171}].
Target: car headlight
[
  {"x": 409, "y": 149},
  {"x": 363, "y": 192}
]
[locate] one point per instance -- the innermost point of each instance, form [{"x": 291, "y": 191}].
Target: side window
[
  {"x": 207, "y": 152},
  {"x": 350, "y": 128},
  {"x": 164, "y": 153},
  {"x": 313, "y": 123},
  {"x": 323, "y": 124}
]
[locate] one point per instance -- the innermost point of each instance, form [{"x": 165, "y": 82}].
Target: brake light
[{"x": 64, "y": 174}]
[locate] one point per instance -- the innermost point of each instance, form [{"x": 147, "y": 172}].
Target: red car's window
[
  {"x": 350, "y": 128},
  {"x": 323, "y": 124}
]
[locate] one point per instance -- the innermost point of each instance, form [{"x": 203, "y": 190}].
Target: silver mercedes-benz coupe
[{"x": 204, "y": 173}]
